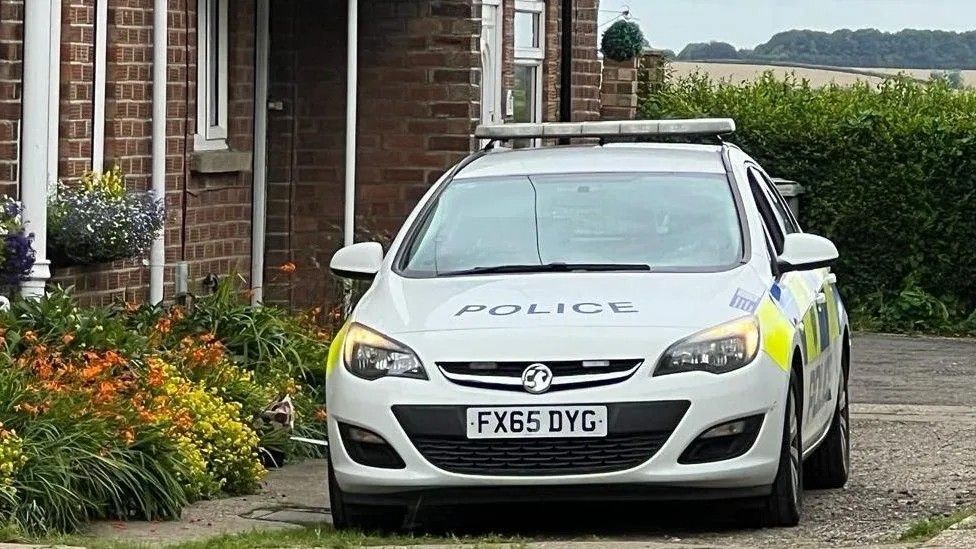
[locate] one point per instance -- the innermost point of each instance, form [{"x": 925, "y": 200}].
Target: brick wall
[
  {"x": 77, "y": 88},
  {"x": 586, "y": 64},
  {"x": 618, "y": 97},
  {"x": 207, "y": 217},
  {"x": 11, "y": 65},
  {"x": 418, "y": 102},
  {"x": 418, "y": 99}
]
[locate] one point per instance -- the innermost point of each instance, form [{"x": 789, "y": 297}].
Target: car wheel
[
  {"x": 366, "y": 518},
  {"x": 830, "y": 464},
  {"x": 782, "y": 506}
]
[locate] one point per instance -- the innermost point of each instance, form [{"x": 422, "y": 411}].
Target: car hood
[{"x": 396, "y": 304}]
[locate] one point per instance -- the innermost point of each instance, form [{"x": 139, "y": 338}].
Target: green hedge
[{"x": 890, "y": 173}]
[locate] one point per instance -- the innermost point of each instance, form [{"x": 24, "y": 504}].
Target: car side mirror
[
  {"x": 359, "y": 261},
  {"x": 804, "y": 251}
]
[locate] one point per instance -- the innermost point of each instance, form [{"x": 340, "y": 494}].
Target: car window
[
  {"x": 666, "y": 221},
  {"x": 780, "y": 206},
  {"x": 774, "y": 224}
]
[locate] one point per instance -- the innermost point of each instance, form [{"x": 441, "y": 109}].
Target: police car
[{"x": 609, "y": 321}]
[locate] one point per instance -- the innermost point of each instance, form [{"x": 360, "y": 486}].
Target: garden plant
[
  {"x": 128, "y": 412},
  {"x": 98, "y": 220}
]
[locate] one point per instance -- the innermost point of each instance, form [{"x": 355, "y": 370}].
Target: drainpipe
[
  {"x": 157, "y": 253},
  {"x": 566, "y": 64},
  {"x": 40, "y": 81},
  {"x": 259, "y": 192},
  {"x": 352, "y": 76},
  {"x": 98, "y": 107}
]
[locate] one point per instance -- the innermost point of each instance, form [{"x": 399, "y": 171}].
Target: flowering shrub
[
  {"x": 134, "y": 412},
  {"x": 98, "y": 220},
  {"x": 16, "y": 253}
]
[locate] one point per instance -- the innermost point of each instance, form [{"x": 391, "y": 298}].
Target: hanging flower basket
[
  {"x": 98, "y": 220},
  {"x": 623, "y": 41},
  {"x": 17, "y": 252}
]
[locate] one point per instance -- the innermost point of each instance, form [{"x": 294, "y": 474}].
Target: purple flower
[{"x": 18, "y": 258}]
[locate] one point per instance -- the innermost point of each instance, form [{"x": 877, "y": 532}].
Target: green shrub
[
  {"x": 890, "y": 173},
  {"x": 622, "y": 41}
]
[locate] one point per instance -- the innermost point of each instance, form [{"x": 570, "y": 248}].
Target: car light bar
[{"x": 626, "y": 128}]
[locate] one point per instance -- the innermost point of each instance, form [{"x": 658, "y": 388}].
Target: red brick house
[{"x": 250, "y": 135}]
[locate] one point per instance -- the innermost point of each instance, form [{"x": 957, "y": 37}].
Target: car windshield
[{"x": 640, "y": 221}]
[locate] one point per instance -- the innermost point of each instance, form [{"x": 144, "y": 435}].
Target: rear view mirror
[
  {"x": 358, "y": 261},
  {"x": 804, "y": 251}
]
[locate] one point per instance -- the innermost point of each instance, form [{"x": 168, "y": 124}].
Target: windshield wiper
[{"x": 550, "y": 268}]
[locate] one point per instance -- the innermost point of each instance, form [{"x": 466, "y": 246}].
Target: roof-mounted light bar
[{"x": 626, "y": 128}]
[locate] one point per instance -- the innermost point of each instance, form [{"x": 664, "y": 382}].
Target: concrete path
[{"x": 913, "y": 456}]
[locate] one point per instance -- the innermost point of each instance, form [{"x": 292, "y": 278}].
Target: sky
[{"x": 672, "y": 24}]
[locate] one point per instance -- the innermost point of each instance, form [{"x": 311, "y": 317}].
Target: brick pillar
[
  {"x": 618, "y": 93},
  {"x": 586, "y": 65},
  {"x": 77, "y": 88},
  {"x": 11, "y": 67}
]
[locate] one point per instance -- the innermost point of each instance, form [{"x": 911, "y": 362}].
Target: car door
[{"x": 807, "y": 295}]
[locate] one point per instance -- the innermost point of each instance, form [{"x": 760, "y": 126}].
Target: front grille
[
  {"x": 558, "y": 367},
  {"x": 539, "y": 457},
  {"x": 635, "y": 432},
  {"x": 566, "y": 374}
]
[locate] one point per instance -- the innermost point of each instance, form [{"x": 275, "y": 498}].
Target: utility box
[{"x": 791, "y": 191}]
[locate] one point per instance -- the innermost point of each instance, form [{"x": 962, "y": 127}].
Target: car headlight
[
  {"x": 370, "y": 355},
  {"x": 717, "y": 350}
]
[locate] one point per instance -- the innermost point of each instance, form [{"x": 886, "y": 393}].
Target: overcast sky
[{"x": 744, "y": 23}]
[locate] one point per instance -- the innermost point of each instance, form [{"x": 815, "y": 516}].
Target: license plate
[{"x": 537, "y": 422}]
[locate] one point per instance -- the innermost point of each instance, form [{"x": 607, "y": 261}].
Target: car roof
[{"x": 615, "y": 157}]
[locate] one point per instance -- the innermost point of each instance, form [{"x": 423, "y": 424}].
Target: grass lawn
[
  {"x": 310, "y": 536},
  {"x": 932, "y": 526}
]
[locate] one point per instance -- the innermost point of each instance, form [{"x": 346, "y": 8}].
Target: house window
[
  {"x": 529, "y": 54},
  {"x": 211, "y": 75}
]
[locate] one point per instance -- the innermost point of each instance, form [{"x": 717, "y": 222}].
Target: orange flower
[
  {"x": 287, "y": 268},
  {"x": 321, "y": 415},
  {"x": 67, "y": 339},
  {"x": 30, "y": 336}
]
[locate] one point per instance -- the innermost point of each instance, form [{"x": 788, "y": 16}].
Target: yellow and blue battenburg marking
[
  {"x": 788, "y": 302},
  {"x": 335, "y": 349},
  {"x": 776, "y": 331}
]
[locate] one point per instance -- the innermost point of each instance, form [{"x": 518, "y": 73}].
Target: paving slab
[
  {"x": 958, "y": 536},
  {"x": 298, "y": 486}
]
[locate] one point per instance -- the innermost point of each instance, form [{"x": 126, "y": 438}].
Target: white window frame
[
  {"x": 492, "y": 60},
  {"x": 211, "y": 136},
  {"x": 533, "y": 57}
]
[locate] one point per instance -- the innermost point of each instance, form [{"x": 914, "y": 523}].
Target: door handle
[
  {"x": 821, "y": 298},
  {"x": 831, "y": 278}
]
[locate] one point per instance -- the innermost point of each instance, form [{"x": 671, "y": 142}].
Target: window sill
[{"x": 220, "y": 161}]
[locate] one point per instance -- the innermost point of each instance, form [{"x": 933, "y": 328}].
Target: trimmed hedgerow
[{"x": 890, "y": 173}]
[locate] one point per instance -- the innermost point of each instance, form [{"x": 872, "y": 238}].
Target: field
[{"x": 738, "y": 72}]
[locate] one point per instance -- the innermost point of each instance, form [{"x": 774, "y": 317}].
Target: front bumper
[{"x": 758, "y": 389}]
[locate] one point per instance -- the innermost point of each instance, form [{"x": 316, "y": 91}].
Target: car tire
[
  {"x": 830, "y": 464},
  {"x": 782, "y": 506},
  {"x": 366, "y": 518}
]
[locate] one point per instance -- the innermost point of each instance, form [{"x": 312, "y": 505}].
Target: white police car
[{"x": 606, "y": 321}]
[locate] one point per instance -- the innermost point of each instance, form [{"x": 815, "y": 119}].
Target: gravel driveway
[{"x": 913, "y": 456}]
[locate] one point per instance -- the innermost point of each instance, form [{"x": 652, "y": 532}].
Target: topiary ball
[{"x": 622, "y": 41}]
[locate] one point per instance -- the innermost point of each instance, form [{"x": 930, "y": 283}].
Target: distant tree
[
  {"x": 709, "y": 50},
  {"x": 910, "y": 48}
]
